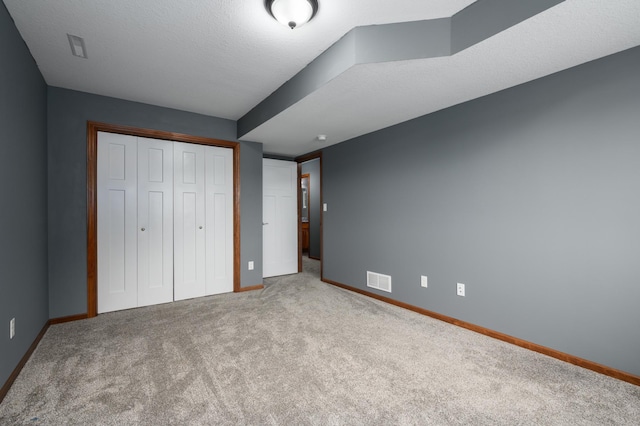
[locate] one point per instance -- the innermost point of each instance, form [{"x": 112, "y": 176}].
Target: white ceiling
[{"x": 223, "y": 57}]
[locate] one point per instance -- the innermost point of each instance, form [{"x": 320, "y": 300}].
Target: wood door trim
[
  {"x": 299, "y": 178},
  {"x": 300, "y": 202},
  {"x": 308, "y": 157},
  {"x": 92, "y": 192}
]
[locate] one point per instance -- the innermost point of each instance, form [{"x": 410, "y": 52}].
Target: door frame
[
  {"x": 301, "y": 206},
  {"x": 302, "y": 159},
  {"x": 93, "y": 128}
]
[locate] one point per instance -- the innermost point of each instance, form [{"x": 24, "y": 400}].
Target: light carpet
[{"x": 299, "y": 352}]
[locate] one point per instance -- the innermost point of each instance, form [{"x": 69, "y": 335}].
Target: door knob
[
  {"x": 265, "y": 223},
  {"x": 201, "y": 227},
  {"x": 142, "y": 229}
]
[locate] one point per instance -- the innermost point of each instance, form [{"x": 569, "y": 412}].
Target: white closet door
[
  {"x": 189, "y": 220},
  {"x": 117, "y": 228},
  {"x": 219, "y": 219},
  {"x": 279, "y": 217},
  {"x": 155, "y": 221}
]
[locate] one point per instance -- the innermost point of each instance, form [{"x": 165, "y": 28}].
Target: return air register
[{"x": 379, "y": 281}]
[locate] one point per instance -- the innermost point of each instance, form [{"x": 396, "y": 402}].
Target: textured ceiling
[
  {"x": 224, "y": 57},
  {"x": 373, "y": 96}
]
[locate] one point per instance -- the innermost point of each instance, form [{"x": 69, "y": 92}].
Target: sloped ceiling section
[
  {"x": 394, "y": 42},
  {"x": 369, "y": 97}
]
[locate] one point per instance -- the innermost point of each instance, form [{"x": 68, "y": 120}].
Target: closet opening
[{"x": 93, "y": 128}]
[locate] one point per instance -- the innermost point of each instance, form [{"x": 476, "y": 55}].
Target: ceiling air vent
[{"x": 379, "y": 281}]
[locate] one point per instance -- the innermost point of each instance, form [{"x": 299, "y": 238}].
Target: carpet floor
[{"x": 299, "y": 352}]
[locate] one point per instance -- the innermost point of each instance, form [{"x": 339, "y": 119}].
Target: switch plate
[
  {"x": 12, "y": 328},
  {"x": 460, "y": 289},
  {"x": 251, "y": 265},
  {"x": 423, "y": 281},
  {"x": 324, "y": 207}
]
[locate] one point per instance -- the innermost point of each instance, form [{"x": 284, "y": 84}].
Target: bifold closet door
[
  {"x": 219, "y": 219},
  {"x": 189, "y": 220},
  {"x": 117, "y": 222},
  {"x": 135, "y": 222},
  {"x": 155, "y": 221},
  {"x": 165, "y": 221},
  {"x": 203, "y": 220}
]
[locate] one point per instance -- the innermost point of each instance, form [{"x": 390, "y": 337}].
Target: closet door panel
[
  {"x": 189, "y": 220},
  {"x": 117, "y": 242},
  {"x": 219, "y": 221},
  {"x": 155, "y": 221}
]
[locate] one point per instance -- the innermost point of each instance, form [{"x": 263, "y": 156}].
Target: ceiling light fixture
[{"x": 292, "y": 13}]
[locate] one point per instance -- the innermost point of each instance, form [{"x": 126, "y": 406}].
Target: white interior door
[
  {"x": 155, "y": 221},
  {"x": 219, "y": 219},
  {"x": 189, "y": 220},
  {"x": 117, "y": 222},
  {"x": 279, "y": 218}
]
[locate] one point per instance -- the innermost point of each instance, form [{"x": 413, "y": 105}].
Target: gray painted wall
[
  {"x": 68, "y": 112},
  {"x": 251, "y": 211},
  {"x": 23, "y": 191},
  {"x": 313, "y": 169},
  {"x": 531, "y": 197}
]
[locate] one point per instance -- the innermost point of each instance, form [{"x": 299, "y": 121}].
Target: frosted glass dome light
[{"x": 292, "y": 13}]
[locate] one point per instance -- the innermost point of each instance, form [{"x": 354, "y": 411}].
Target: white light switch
[
  {"x": 423, "y": 281},
  {"x": 324, "y": 207},
  {"x": 251, "y": 265}
]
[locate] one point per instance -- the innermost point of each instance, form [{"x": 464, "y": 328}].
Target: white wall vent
[{"x": 379, "y": 281}]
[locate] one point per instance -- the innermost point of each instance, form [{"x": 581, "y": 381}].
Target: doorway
[
  {"x": 304, "y": 211},
  {"x": 310, "y": 217}
]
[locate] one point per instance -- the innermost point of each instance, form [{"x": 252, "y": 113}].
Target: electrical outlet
[
  {"x": 423, "y": 281},
  {"x": 251, "y": 265},
  {"x": 12, "y": 328},
  {"x": 460, "y": 289}
]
